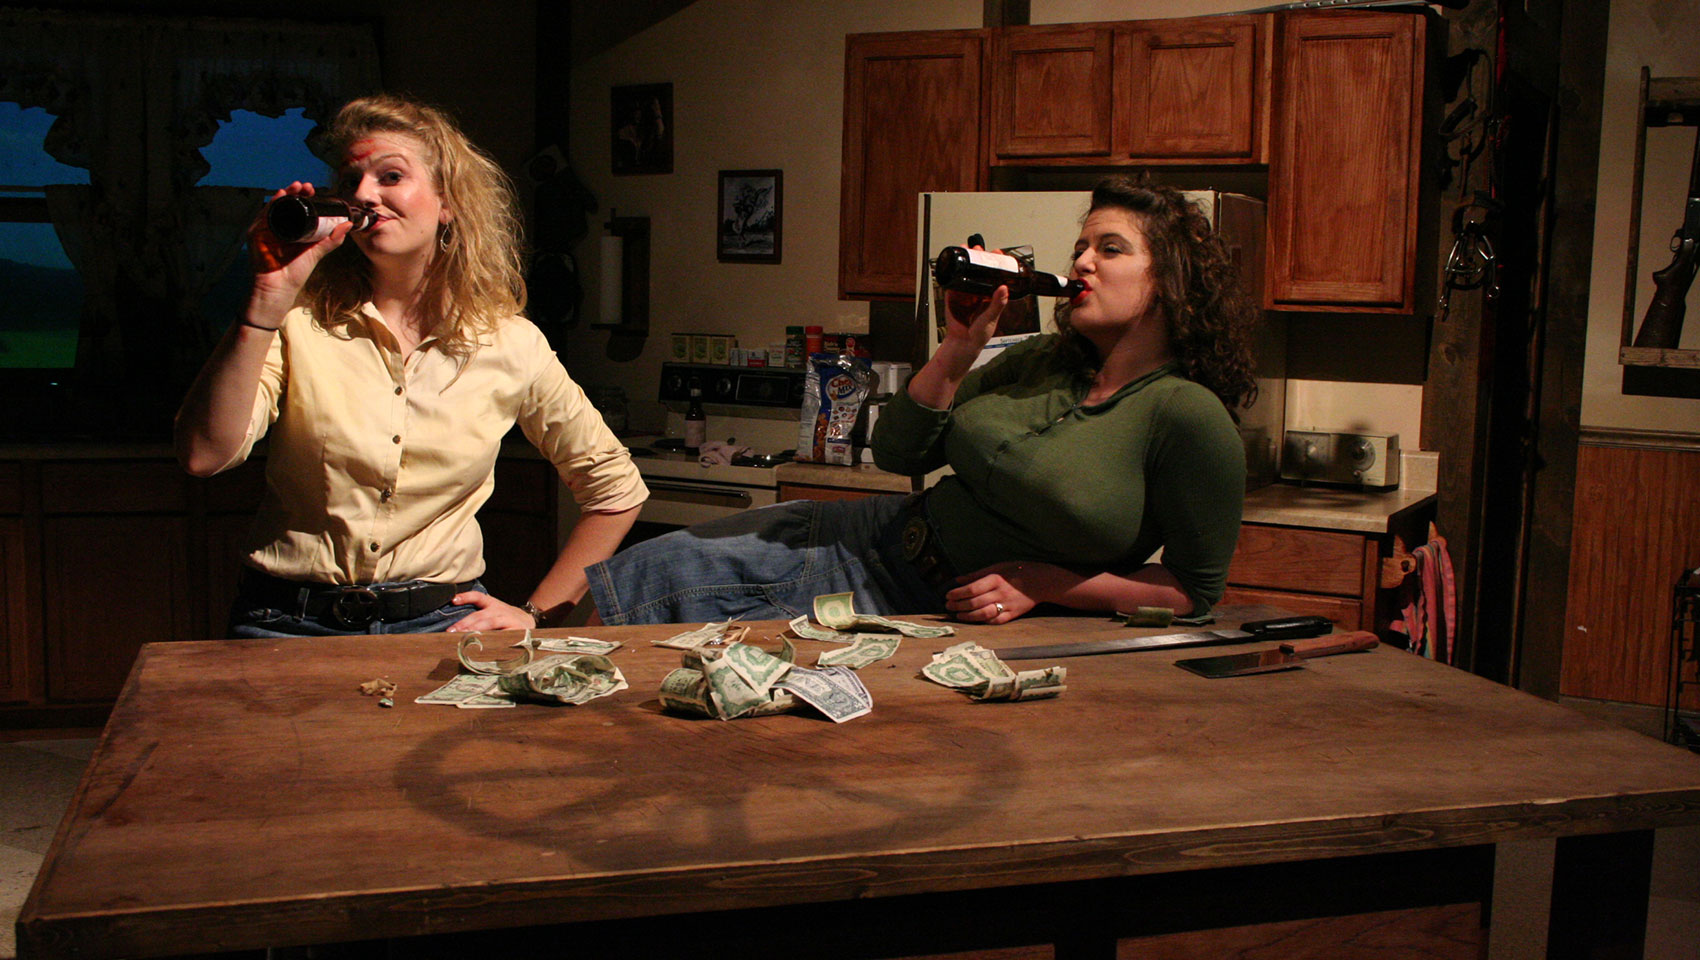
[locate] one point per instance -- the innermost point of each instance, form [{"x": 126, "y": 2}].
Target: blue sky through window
[{"x": 254, "y": 151}]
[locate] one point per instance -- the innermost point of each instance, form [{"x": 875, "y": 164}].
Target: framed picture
[
  {"x": 642, "y": 129},
  {"x": 750, "y": 216}
]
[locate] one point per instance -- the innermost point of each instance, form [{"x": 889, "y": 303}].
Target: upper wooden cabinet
[
  {"x": 1343, "y": 177},
  {"x": 1051, "y": 92},
  {"x": 1194, "y": 89},
  {"x": 1189, "y": 90},
  {"x": 912, "y": 123}
]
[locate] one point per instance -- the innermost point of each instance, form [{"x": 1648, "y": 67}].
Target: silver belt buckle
[{"x": 355, "y": 607}]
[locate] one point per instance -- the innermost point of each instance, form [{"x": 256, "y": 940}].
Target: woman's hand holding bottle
[{"x": 281, "y": 269}]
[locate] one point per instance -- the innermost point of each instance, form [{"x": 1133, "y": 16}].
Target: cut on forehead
[{"x": 377, "y": 145}]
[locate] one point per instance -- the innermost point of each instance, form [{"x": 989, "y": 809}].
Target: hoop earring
[{"x": 444, "y": 236}]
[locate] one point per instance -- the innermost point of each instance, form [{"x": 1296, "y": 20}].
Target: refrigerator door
[{"x": 1046, "y": 221}]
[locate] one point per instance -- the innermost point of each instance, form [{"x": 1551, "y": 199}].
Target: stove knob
[
  {"x": 723, "y": 388},
  {"x": 673, "y": 387}
]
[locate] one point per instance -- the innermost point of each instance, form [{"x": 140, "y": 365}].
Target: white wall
[
  {"x": 756, "y": 84},
  {"x": 1663, "y": 35}
]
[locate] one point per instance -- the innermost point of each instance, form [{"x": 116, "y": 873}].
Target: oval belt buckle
[
  {"x": 355, "y": 607},
  {"x": 914, "y": 537}
]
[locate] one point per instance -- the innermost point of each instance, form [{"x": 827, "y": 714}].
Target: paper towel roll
[{"x": 613, "y": 250}]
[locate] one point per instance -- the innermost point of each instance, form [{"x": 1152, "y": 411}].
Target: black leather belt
[
  {"x": 353, "y": 606},
  {"x": 921, "y": 546}
]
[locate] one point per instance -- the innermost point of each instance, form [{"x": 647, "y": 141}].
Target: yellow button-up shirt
[{"x": 377, "y": 464}]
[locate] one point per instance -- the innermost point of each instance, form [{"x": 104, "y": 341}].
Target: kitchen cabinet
[
  {"x": 913, "y": 123},
  {"x": 1187, "y": 90},
  {"x": 1331, "y": 573},
  {"x": 1345, "y": 162},
  {"x": 1051, "y": 92},
  {"x": 101, "y": 554},
  {"x": 1196, "y": 90},
  {"x": 14, "y": 650}
]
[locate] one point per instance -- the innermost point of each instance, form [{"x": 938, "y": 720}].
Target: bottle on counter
[
  {"x": 696, "y": 422},
  {"x": 793, "y": 355},
  {"x": 296, "y": 219},
  {"x": 982, "y": 272}
]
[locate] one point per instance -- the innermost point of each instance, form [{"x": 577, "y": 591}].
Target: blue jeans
[
  {"x": 766, "y": 564},
  {"x": 251, "y": 618}
]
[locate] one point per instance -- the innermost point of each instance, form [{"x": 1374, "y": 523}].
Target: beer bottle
[
  {"x": 297, "y": 219},
  {"x": 981, "y": 272},
  {"x": 696, "y": 422}
]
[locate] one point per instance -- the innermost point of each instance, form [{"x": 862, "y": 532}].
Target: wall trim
[{"x": 1643, "y": 439}]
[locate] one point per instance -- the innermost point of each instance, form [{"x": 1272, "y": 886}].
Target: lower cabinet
[
  {"x": 1331, "y": 573},
  {"x": 99, "y": 556}
]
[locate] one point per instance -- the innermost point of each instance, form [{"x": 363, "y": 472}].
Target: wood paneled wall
[{"x": 1637, "y": 527}]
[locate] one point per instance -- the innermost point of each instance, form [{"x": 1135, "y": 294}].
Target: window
[
  {"x": 41, "y": 313},
  {"x": 251, "y": 150}
]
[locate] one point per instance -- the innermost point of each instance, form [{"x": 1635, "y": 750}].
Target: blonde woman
[{"x": 385, "y": 368}]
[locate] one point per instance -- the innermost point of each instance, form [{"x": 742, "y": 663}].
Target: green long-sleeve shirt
[{"x": 1039, "y": 476}]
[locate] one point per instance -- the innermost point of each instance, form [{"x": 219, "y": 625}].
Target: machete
[{"x": 1281, "y": 628}]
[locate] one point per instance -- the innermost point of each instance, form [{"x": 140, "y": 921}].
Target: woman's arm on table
[
  {"x": 594, "y": 539},
  {"x": 1021, "y": 585}
]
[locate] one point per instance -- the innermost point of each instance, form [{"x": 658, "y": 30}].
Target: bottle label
[
  {"x": 695, "y": 431},
  {"x": 997, "y": 261},
  {"x": 323, "y": 229}
]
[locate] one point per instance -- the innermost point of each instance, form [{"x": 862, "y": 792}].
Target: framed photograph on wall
[
  {"x": 642, "y": 129},
  {"x": 751, "y": 214}
]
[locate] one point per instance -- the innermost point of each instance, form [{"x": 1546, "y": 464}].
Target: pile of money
[
  {"x": 979, "y": 673},
  {"x": 571, "y": 678},
  {"x": 576, "y": 677},
  {"x": 743, "y": 680}
]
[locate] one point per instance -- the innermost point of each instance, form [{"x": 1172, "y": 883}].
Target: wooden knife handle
[{"x": 1331, "y": 644}]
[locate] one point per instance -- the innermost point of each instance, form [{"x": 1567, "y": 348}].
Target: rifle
[{"x": 1663, "y": 324}]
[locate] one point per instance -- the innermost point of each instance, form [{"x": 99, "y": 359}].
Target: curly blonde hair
[
  {"x": 477, "y": 278},
  {"x": 1210, "y": 315}
]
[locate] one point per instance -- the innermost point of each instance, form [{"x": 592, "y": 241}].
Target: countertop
[
  {"x": 1290, "y": 505},
  {"x": 862, "y": 476}
]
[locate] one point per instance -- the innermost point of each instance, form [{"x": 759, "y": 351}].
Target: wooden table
[{"x": 245, "y": 794}]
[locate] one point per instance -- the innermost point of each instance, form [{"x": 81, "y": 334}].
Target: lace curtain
[{"x": 136, "y": 98}]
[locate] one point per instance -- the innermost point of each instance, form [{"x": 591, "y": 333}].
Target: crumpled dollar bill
[
  {"x": 838, "y": 611},
  {"x": 570, "y": 678},
  {"x": 709, "y": 633},
  {"x": 978, "y": 672},
  {"x": 866, "y": 648},
  {"x": 743, "y": 680},
  {"x": 569, "y": 644}
]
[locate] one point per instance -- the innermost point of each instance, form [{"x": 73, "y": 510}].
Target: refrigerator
[{"x": 1049, "y": 222}]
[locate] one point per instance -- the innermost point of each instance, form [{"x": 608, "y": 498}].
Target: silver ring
[{"x": 999, "y": 607}]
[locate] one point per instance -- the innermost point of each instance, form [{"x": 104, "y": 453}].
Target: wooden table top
[{"x": 245, "y": 792}]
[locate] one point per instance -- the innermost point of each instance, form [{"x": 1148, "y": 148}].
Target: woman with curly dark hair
[{"x": 1076, "y": 457}]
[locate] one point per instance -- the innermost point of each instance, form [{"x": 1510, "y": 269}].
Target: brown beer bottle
[
  {"x": 982, "y": 272},
  {"x": 296, "y": 219}
]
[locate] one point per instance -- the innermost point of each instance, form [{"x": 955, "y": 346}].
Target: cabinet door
[
  {"x": 1051, "y": 92},
  {"x": 15, "y": 593},
  {"x": 1343, "y": 179},
  {"x": 112, "y": 583},
  {"x": 912, "y": 123},
  {"x": 1193, "y": 89}
]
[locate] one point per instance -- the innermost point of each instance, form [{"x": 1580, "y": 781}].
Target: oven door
[{"x": 680, "y": 503}]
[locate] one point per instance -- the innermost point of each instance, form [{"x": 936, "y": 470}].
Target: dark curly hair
[{"x": 1210, "y": 315}]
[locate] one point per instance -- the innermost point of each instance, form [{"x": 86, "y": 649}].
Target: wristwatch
[{"x": 529, "y": 607}]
